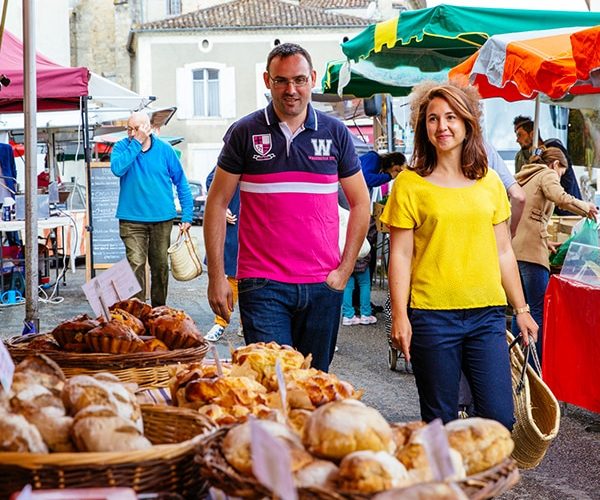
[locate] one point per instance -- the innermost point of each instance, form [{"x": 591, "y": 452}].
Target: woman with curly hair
[{"x": 452, "y": 266}]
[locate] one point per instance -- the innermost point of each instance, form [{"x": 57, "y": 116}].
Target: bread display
[
  {"x": 114, "y": 337},
  {"x": 336, "y": 429},
  {"x": 173, "y": 327},
  {"x": 71, "y": 334},
  {"x": 482, "y": 443},
  {"x": 17, "y": 434},
  {"x": 237, "y": 448},
  {"x": 100, "y": 428},
  {"x": 370, "y": 472},
  {"x": 133, "y": 306},
  {"x": 129, "y": 320},
  {"x": 260, "y": 358}
]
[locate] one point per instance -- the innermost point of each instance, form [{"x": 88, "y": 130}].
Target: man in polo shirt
[{"x": 287, "y": 159}]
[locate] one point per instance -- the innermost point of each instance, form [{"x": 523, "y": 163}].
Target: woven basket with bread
[
  {"x": 346, "y": 450},
  {"x": 160, "y": 337},
  {"x": 91, "y": 432}
]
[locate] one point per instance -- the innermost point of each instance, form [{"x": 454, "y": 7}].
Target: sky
[{"x": 572, "y": 5}]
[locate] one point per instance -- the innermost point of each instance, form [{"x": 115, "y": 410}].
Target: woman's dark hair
[
  {"x": 388, "y": 160},
  {"x": 464, "y": 101}
]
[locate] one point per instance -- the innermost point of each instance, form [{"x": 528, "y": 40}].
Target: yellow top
[{"x": 455, "y": 257}]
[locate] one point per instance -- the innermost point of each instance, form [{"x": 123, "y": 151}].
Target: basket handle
[{"x": 530, "y": 352}]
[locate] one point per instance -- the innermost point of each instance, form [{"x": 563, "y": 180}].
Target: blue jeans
[
  {"x": 363, "y": 279},
  {"x": 305, "y": 316},
  {"x": 474, "y": 340},
  {"x": 534, "y": 279}
]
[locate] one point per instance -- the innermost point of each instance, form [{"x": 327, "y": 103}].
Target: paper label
[
  {"x": 282, "y": 386},
  {"x": 435, "y": 442},
  {"x": 215, "y": 353},
  {"x": 271, "y": 462},
  {"x": 7, "y": 368},
  {"x": 113, "y": 285}
]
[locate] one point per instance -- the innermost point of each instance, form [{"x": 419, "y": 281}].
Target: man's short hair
[
  {"x": 524, "y": 122},
  {"x": 284, "y": 50}
]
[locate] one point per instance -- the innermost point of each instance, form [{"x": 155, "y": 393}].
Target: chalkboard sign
[{"x": 107, "y": 247}]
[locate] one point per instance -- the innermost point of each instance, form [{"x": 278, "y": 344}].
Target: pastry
[
  {"x": 17, "y": 434},
  {"x": 101, "y": 429},
  {"x": 342, "y": 427},
  {"x": 310, "y": 388},
  {"x": 226, "y": 391},
  {"x": 129, "y": 320},
  {"x": 114, "y": 337},
  {"x": 482, "y": 442},
  {"x": 318, "y": 473},
  {"x": 154, "y": 345},
  {"x": 174, "y": 327},
  {"x": 133, "y": 306},
  {"x": 72, "y": 332},
  {"x": 370, "y": 472},
  {"x": 237, "y": 450}
]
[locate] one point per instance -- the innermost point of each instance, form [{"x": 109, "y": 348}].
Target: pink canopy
[{"x": 58, "y": 87}]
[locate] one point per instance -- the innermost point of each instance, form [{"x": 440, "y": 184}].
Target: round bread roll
[
  {"x": 318, "y": 473},
  {"x": 371, "y": 471},
  {"x": 17, "y": 434},
  {"x": 99, "y": 428},
  {"x": 38, "y": 369},
  {"x": 237, "y": 449},
  {"x": 482, "y": 442},
  {"x": 424, "y": 491},
  {"x": 341, "y": 427}
]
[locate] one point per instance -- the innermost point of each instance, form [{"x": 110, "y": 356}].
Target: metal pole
[
  {"x": 88, "y": 160},
  {"x": 31, "y": 216}
]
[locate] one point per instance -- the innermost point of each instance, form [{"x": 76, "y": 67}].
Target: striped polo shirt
[{"x": 288, "y": 222}]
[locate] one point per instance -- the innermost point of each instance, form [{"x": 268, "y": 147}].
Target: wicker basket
[
  {"x": 219, "y": 474},
  {"x": 168, "y": 466},
  {"x": 146, "y": 369}
]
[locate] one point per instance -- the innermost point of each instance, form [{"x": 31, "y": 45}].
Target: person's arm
[
  {"x": 511, "y": 282},
  {"x": 124, "y": 152},
  {"x": 182, "y": 187},
  {"x": 220, "y": 296},
  {"x": 399, "y": 272},
  {"x": 358, "y": 223},
  {"x": 516, "y": 194},
  {"x": 554, "y": 192}
]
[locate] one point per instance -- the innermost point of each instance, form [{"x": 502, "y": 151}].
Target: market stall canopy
[
  {"x": 438, "y": 38},
  {"x": 58, "y": 87},
  {"x": 398, "y": 83},
  {"x": 517, "y": 66},
  {"x": 585, "y": 44}
]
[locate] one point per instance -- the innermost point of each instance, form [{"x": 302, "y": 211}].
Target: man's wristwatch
[{"x": 521, "y": 310}]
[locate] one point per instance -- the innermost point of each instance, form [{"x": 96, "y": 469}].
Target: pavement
[{"x": 570, "y": 470}]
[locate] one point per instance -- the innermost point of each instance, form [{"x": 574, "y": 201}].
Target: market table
[
  {"x": 9, "y": 263},
  {"x": 571, "y": 344}
]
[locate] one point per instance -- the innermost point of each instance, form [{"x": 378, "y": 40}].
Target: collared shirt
[{"x": 288, "y": 224}]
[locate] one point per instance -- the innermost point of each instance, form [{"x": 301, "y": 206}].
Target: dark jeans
[
  {"x": 148, "y": 241},
  {"x": 534, "y": 279},
  {"x": 474, "y": 340},
  {"x": 305, "y": 316}
]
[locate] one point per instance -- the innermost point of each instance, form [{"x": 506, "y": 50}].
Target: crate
[
  {"x": 377, "y": 211},
  {"x": 561, "y": 226}
]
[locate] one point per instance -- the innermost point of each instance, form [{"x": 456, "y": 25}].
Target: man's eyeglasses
[
  {"x": 132, "y": 129},
  {"x": 297, "y": 81}
]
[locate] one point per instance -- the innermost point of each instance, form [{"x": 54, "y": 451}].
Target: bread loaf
[
  {"x": 17, "y": 434},
  {"x": 371, "y": 471}
]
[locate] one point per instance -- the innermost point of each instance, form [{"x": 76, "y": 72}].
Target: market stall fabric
[{"x": 571, "y": 342}]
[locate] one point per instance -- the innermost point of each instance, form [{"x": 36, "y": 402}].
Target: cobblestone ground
[{"x": 571, "y": 469}]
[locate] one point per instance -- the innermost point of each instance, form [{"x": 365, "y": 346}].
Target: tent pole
[
  {"x": 536, "y": 122},
  {"x": 32, "y": 320},
  {"x": 88, "y": 160}
]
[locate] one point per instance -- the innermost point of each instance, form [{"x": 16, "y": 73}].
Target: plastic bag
[{"x": 587, "y": 234}]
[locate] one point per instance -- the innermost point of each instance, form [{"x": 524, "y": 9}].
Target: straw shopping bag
[
  {"x": 537, "y": 413},
  {"x": 185, "y": 257}
]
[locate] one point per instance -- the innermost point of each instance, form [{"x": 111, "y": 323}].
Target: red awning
[{"x": 58, "y": 87}]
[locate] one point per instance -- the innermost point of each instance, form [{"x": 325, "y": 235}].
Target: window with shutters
[
  {"x": 173, "y": 7},
  {"x": 206, "y": 92}
]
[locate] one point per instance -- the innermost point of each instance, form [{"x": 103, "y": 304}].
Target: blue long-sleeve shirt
[
  {"x": 146, "y": 182},
  {"x": 371, "y": 168}
]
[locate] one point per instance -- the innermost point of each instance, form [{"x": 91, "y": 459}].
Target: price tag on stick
[
  {"x": 282, "y": 388},
  {"x": 271, "y": 462},
  {"x": 215, "y": 354},
  {"x": 7, "y": 368},
  {"x": 437, "y": 449}
]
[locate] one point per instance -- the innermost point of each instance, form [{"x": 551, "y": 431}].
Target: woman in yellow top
[{"x": 452, "y": 259}]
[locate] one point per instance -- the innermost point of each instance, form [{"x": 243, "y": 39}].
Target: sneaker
[
  {"x": 215, "y": 333},
  {"x": 367, "y": 320},
  {"x": 350, "y": 321}
]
